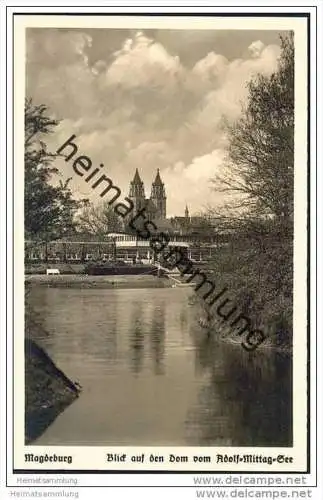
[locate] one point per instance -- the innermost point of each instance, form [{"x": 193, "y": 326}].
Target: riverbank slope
[
  {"x": 253, "y": 276},
  {"x": 48, "y": 391}
]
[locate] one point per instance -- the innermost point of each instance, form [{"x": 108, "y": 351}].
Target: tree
[
  {"x": 257, "y": 262},
  {"x": 260, "y": 160},
  {"x": 49, "y": 209},
  {"x": 98, "y": 220}
]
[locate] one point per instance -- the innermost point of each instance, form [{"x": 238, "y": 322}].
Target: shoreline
[
  {"x": 101, "y": 282},
  {"x": 226, "y": 336}
]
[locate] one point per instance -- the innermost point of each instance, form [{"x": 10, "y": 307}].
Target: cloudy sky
[{"x": 148, "y": 99}]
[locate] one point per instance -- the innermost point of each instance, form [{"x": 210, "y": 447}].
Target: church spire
[
  {"x": 137, "y": 179},
  {"x": 158, "y": 196},
  {"x": 137, "y": 190},
  {"x": 186, "y": 212},
  {"x": 158, "y": 181}
]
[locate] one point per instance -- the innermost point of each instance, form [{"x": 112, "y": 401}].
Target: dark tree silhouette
[
  {"x": 260, "y": 161},
  {"x": 49, "y": 209},
  {"x": 99, "y": 220}
]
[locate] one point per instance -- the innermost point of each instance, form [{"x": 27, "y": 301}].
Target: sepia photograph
[{"x": 159, "y": 194}]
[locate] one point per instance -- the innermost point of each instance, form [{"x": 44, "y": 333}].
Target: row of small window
[
  {"x": 73, "y": 256},
  {"x": 125, "y": 237}
]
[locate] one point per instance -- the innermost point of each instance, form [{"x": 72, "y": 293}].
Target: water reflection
[
  {"x": 151, "y": 376},
  {"x": 137, "y": 337},
  {"x": 157, "y": 338},
  {"x": 247, "y": 399}
]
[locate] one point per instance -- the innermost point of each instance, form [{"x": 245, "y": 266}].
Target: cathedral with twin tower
[{"x": 155, "y": 205}]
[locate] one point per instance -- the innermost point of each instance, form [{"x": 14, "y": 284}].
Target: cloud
[
  {"x": 58, "y": 73},
  {"x": 53, "y": 48},
  {"x": 231, "y": 89},
  {"x": 141, "y": 63},
  {"x": 191, "y": 183},
  {"x": 142, "y": 107},
  {"x": 212, "y": 67},
  {"x": 255, "y": 48}
]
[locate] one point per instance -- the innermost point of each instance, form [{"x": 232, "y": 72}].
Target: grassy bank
[
  {"x": 63, "y": 268},
  {"x": 84, "y": 281}
]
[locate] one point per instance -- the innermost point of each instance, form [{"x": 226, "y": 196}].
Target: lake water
[{"x": 150, "y": 375}]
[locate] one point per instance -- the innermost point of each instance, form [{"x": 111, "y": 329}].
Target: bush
[{"x": 258, "y": 273}]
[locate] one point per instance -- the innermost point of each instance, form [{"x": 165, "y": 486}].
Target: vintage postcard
[{"x": 161, "y": 266}]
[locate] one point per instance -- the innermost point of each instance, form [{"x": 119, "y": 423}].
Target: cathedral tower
[
  {"x": 158, "y": 197},
  {"x": 137, "y": 192}
]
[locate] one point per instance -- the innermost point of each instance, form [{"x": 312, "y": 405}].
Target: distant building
[
  {"x": 194, "y": 228},
  {"x": 156, "y": 204},
  {"x": 199, "y": 235}
]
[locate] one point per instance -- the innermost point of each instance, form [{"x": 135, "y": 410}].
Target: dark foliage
[
  {"x": 257, "y": 264},
  {"x": 49, "y": 208}
]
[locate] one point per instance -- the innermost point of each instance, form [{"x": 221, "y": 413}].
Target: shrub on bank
[{"x": 257, "y": 269}]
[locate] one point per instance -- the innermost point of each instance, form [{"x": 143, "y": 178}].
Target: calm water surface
[{"x": 151, "y": 377}]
